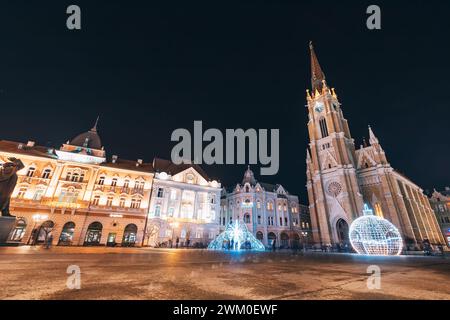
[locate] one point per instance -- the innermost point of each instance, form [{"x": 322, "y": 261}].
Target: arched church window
[
  {"x": 323, "y": 127},
  {"x": 378, "y": 210}
]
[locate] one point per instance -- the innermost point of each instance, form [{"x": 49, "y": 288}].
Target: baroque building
[
  {"x": 77, "y": 196},
  {"x": 440, "y": 202},
  {"x": 341, "y": 178},
  {"x": 184, "y": 205},
  {"x": 271, "y": 213}
]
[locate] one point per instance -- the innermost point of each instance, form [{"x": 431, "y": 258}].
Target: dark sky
[{"x": 148, "y": 69}]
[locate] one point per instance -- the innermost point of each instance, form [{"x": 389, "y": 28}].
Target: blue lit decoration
[
  {"x": 236, "y": 237},
  {"x": 373, "y": 235}
]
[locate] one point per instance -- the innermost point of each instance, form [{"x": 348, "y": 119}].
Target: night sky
[{"x": 148, "y": 69}]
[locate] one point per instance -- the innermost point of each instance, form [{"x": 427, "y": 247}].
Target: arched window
[
  {"x": 22, "y": 192},
  {"x": 109, "y": 201},
  {"x": 259, "y": 219},
  {"x": 157, "y": 210},
  {"x": 46, "y": 173},
  {"x": 122, "y": 202},
  {"x": 247, "y": 218},
  {"x": 323, "y": 127},
  {"x": 19, "y": 230},
  {"x": 67, "y": 234},
  {"x": 31, "y": 171},
  {"x": 126, "y": 184},
  {"x": 135, "y": 203},
  {"x": 75, "y": 177},
  {"x": 378, "y": 210},
  {"x": 129, "y": 235},
  {"x": 96, "y": 200},
  {"x": 93, "y": 234}
]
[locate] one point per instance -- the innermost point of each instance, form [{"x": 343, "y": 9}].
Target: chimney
[
  {"x": 30, "y": 143},
  {"x": 114, "y": 158},
  {"x": 139, "y": 162}
]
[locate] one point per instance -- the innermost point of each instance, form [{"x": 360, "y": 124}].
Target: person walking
[{"x": 177, "y": 242}]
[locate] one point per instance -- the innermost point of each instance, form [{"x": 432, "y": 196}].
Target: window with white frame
[
  {"x": 160, "y": 193},
  {"x": 157, "y": 210},
  {"x": 38, "y": 194},
  {"x": 22, "y": 192},
  {"x": 109, "y": 201},
  {"x": 46, "y": 173},
  {"x": 96, "y": 200},
  {"x": 31, "y": 171}
]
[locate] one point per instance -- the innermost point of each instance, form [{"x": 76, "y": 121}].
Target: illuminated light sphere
[
  {"x": 373, "y": 235},
  {"x": 236, "y": 237}
]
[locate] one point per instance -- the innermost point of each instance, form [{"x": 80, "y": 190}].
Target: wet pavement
[{"x": 144, "y": 273}]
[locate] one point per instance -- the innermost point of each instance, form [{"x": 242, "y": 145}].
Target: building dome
[
  {"x": 373, "y": 235},
  {"x": 89, "y": 139}
]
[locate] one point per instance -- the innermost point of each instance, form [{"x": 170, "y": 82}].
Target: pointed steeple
[
  {"x": 317, "y": 75},
  {"x": 249, "y": 177},
  {"x": 94, "y": 128},
  {"x": 372, "y": 138}
]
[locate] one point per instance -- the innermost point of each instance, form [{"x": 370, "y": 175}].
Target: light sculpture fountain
[{"x": 236, "y": 237}]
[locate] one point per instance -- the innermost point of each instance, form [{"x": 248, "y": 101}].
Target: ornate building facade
[
  {"x": 184, "y": 205},
  {"x": 440, "y": 202},
  {"x": 77, "y": 196},
  {"x": 340, "y": 179},
  {"x": 269, "y": 211}
]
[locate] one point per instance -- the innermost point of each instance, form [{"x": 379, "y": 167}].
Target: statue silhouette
[{"x": 8, "y": 180}]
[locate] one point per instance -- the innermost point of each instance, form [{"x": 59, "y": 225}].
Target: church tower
[{"x": 333, "y": 192}]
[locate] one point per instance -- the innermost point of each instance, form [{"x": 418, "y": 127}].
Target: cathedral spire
[
  {"x": 372, "y": 138},
  {"x": 317, "y": 75}
]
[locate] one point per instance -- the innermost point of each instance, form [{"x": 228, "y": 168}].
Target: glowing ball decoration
[{"x": 373, "y": 235}]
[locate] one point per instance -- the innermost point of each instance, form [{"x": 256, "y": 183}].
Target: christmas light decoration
[
  {"x": 236, "y": 237},
  {"x": 373, "y": 235}
]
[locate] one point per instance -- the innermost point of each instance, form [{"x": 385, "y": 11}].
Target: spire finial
[{"x": 94, "y": 128}]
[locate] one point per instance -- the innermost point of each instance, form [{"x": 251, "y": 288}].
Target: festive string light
[
  {"x": 373, "y": 235},
  {"x": 236, "y": 237}
]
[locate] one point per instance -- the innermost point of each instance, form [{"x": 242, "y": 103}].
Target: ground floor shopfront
[{"x": 76, "y": 228}]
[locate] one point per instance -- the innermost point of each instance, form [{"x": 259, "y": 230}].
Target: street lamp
[
  {"x": 305, "y": 239},
  {"x": 36, "y": 218},
  {"x": 173, "y": 225}
]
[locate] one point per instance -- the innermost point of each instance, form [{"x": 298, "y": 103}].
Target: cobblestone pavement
[{"x": 144, "y": 273}]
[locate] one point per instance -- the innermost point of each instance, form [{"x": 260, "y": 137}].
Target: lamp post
[
  {"x": 305, "y": 239},
  {"x": 36, "y": 218}
]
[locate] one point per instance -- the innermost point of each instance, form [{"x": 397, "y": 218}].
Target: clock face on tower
[{"x": 319, "y": 106}]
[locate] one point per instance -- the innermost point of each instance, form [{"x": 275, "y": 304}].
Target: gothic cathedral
[{"x": 340, "y": 179}]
